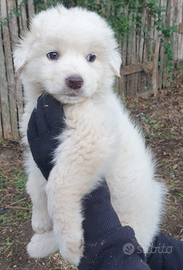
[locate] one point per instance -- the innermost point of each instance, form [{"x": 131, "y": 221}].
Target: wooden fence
[{"x": 139, "y": 73}]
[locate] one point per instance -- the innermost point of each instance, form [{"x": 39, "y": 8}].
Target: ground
[{"x": 161, "y": 120}]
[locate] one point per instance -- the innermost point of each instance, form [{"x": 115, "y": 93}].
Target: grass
[
  {"x": 12, "y": 193},
  {"x": 3, "y": 180},
  {"x": 8, "y": 245},
  {"x": 19, "y": 180},
  {"x": 180, "y": 195}
]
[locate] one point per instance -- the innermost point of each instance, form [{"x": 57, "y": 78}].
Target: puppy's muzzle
[{"x": 74, "y": 82}]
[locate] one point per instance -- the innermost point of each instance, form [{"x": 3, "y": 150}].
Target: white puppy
[{"x": 73, "y": 55}]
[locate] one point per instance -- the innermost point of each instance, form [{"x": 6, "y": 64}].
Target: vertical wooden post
[
  {"x": 5, "y": 114},
  {"x": 30, "y": 8},
  {"x": 155, "y": 69},
  {"x": 10, "y": 73},
  {"x": 22, "y": 19},
  {"x": 179, "y": 20},
  {"x": 152, "y": 30},
  {"x": 13, "y": 27},
  {"x": 141, "y": 45},
  {"x": 162, "y": 81},
  {"x": 4, "y": 103},
  {"x": 156, "y": 38},
  {"x": 124, "y": 61},
  {"x": 1, "y": 127}
]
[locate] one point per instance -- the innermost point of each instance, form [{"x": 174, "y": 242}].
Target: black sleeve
[
  {"x": 108, "y": 245},
  {"x": 117, "y": 250},
  {"x": 165, "y": 253}
]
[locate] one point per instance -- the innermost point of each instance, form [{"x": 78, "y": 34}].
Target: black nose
[{"x": 74, "y": 82}]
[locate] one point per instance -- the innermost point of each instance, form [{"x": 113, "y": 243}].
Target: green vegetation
[
  {"x": 180, "y": 195},
  {"x": 14, "y": 11}
]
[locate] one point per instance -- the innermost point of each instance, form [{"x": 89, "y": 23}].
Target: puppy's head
[{"x": 69, "y": 53}]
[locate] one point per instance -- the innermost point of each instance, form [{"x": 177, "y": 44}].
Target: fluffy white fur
[{"x": 100, "y": 139}]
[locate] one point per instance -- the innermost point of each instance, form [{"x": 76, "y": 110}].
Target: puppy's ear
[
  {"x": 20, "y": 55},
  {"x": 115, "y": 62}
]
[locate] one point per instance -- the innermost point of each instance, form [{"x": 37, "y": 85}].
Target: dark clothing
[
  {"x": 166, "y": 254},
  {"x": 46, "y": 123},
  {"x": 110, "y": 246},
  {"x": 117, "y": 250}
]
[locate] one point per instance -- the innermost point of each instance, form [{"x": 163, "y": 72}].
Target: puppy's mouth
[
  {"x": 73, "y": 93},
  {"x": 67, "y": 96}
]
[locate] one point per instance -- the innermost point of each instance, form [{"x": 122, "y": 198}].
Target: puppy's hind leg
[{"x": 35, "y": 187}]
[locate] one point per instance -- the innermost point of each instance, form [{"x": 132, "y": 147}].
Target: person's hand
[{"x": 46, "y": 123}]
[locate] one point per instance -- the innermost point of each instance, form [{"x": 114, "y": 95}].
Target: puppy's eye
[
  {"x": 91, "y": 57},
  {"x": 52, "y": 55}
]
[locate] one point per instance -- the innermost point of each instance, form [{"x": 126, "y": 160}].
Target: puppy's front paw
[
  {"x": 71, "y": 246},
  {"x": 72, "y": 251},
  {"x": 41, "y": 221},
  {"x": 42, "y": 245}
]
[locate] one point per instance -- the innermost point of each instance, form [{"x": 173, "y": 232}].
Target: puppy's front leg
[
  {"x": 82, "y": 157},
  {"x": 65, "y": 190},
  {"x": 79, "y": 164}
]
